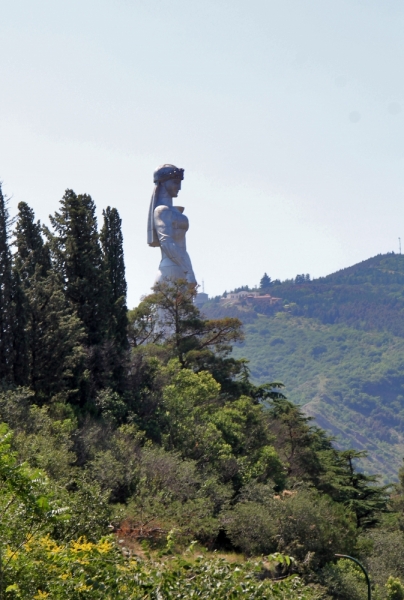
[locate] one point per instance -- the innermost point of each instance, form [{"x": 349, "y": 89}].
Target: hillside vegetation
[
  {"x": 338, "y": 345},
  {"x": 138, "y": 458}
]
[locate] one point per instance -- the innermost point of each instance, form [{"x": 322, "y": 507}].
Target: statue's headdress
[{"x": 163, "y": 173}]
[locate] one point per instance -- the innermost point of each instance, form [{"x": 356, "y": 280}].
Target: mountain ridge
[{"x": 337, "y": 343}]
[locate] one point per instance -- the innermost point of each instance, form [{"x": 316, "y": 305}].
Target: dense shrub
[
  {"x": 251, "y": 527},
  {"x": 395, "y": 589},
  {"x": 344, "y": 580},
  {"x": 81, "y": 569},
  {"x": 385, "y": 556},
  {"x": 297, "y": 523}
]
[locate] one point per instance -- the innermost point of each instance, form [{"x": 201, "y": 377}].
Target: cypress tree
[
  {"x": 6, "y": 296},
  {"x": 20, "y": 338},
  {"x": 55, "y": 336},
  {"x": 31, "y": 263},
  {"x": 265, "y": 282},
  {"x": 30, "y": 260},
  {"x": 78, "y": 260},
  {"x": 114, "y": 265},
  {"x": 47, "y": 333},
  {"x": 32, "y": 255}
]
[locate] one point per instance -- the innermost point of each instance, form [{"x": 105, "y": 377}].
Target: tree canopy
[{"x": 127, "y": 437}]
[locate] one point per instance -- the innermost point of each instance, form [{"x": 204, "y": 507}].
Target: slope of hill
[{"x": 337, "y": 343}]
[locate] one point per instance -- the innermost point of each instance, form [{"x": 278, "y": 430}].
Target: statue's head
[
  {"x": 170, "y": 177},
  {"x": 166, "y": 172},
  {"x": 167, "y": 178}
]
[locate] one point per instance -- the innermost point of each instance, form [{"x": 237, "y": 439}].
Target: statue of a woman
[{"x": 167, "y": 226}]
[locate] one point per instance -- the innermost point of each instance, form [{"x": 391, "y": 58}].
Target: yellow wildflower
[
  {"x": 83, "y": 587},
  {"x": 49, "y": 545},
  {"x": 104, "y": 547},
  {"x": 41, "y": 595},
  {"x": 82, "y": 545},
  {"x": 10, "y": 554}
]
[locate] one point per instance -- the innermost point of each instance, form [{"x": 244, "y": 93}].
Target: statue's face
[{"x": 173, "y": 186}]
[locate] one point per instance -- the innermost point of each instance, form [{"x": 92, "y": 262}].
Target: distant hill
[{"x": 337, "y": 343}]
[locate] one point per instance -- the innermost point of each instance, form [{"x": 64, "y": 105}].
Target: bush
[
  {"x": 296, "y": 523},
  {"x": 82, "y": 569},
  {"x": 171, "y": 494},
  {"x": 90, "y": 513},
  {"x": 395, "y": 589},
  {"x": 344, "y": 580},
  {"x": 251, "y": 527},
  {"x": 386, "y": 555},
  {"x": 310, "y": 522}
]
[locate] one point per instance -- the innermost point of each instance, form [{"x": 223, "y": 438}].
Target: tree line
[
  {"x": 63, "y": 319},
  {"x": 143, "y": 423}
]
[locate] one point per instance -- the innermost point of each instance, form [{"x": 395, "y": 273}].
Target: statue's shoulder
[
  {"x": 161, "y": 209},
  {"x": 163, "y": 212}
]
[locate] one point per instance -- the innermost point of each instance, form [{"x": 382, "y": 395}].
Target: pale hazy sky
[{"x": 287, "y": 115}]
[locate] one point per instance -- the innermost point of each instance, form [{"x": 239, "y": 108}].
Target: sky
[{"x": 287, "y": 116}]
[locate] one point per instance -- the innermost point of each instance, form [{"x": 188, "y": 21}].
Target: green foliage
[
  {"x": 76, "y": 253},
  {"x": 142, "y": 325},
  {"x": 169, "y": 315},
  {"x": 31, "y": 265},
  {"x": 344, "y": 580},
  {"x": 303, "y": 524},
  {"x": 265, "y": 282},
  {"x": 26, "y": 507},
  {"x": 6, "y": 296},
  {"x": 310, "y": 455},
  {"x": 112, "y": 247},
  {"x": 338, "y": 344},
  {"x": 395, "y": 589},
  {"x": 46, "y": 443},
  {"x": 217, "y": 433},
  {"x": 55, "y": 337},
  {"x": 113, "y": 458},
  {"x": 112, "y": 407},
  {"x": 89, "y": 510},
  {"x": 251, "y": 528},
  {"x": 169, "y": 318},
  {"x": 187, "y": 403},
  {"x": 48, "y": 335},
  {"x": 94, "y": 287},
  {"x": 20, "y": 342},
  {"x": 353, "y": 388},
  {"x": 149, "y": 425},
  {"x": 384, "y": 554},
  {"x": 359, "y": 492},
  {"x": 32, "y": 257},
  {"x": 86, "y": 570}
]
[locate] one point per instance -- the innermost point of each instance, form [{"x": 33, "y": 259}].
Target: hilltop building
[{"x": 253, "y": 298}]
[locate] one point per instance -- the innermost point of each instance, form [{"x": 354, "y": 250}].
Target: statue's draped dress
[
  {"x": 171, "y": 227},
  {"x": 167, "y": 227}
]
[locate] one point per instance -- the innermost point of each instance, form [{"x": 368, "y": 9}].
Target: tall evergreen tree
[
  {"x": 6, "y": 295},
  {"x": 32, "y": 254},
  {"x": 112, "y": 246},
  {"x": 78, "y": 259},
  {"x": 265, "y": 282},
  {"x": 31, "y": 263},
  {"x": 55, "y": 337},
  {"x": 20, "y": 337}
]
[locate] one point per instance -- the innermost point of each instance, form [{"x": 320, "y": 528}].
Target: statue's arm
[
  {"x": 189, "y": 269},
  {"x": 164, "y": 229}
]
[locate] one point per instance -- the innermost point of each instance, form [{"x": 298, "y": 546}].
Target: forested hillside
[
  {"x": 138, "y": 457},
  {"x": 338, "y": 345}
]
